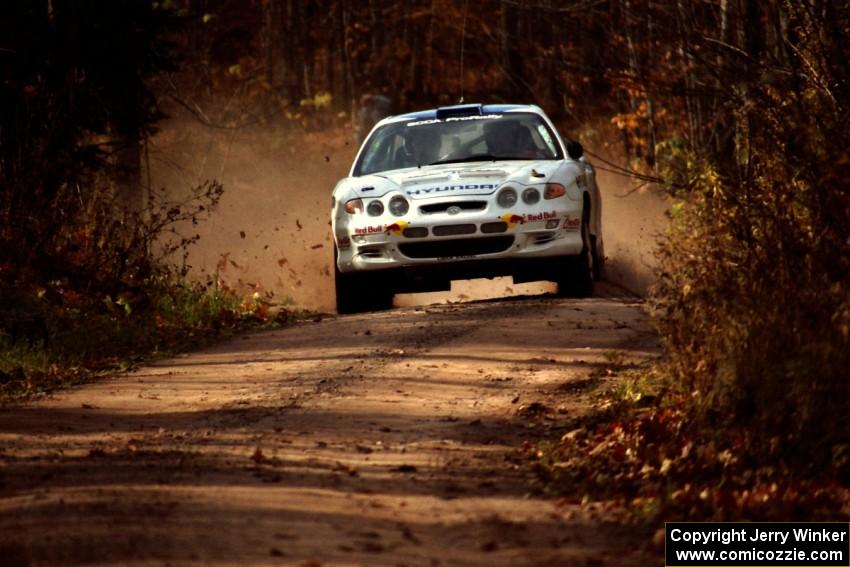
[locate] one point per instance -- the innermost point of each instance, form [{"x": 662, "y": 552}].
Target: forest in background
[{"x": 738, "y": 108}]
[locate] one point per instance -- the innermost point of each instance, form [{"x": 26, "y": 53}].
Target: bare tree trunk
[
  {"x": 634, "y": 71},
  {"x": 271, "y": 39},
  {"x": 429, "y": 49},
  {"x": 289, "y": 47},
  {"x": 348, "y": 87},
  {"x": 650, "y": 105},
  {"x": 691, "y": 103},
  {"x": 511, "y": 58},
  {"x": 128, "y": 174}
]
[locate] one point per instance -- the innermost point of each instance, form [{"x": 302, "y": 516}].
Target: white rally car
[{"x": 464, "y": 192}]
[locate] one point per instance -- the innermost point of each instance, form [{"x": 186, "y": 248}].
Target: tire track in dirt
[{"x": 379, "y": 439}]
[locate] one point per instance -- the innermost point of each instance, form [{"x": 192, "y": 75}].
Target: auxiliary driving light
[
  {"x": 399, "y": 206},
  {"x": 375, "y": 208},
  {"x": 507, "y": 198},
  {"x": 531, "y": 196}
]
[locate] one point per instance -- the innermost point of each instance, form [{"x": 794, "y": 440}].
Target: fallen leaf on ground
[{"x": 342, "y": 467}]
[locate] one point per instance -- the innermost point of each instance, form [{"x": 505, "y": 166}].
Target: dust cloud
[
  {"x": 632, "y": 222},
  {"x": 271, "y": 231}
]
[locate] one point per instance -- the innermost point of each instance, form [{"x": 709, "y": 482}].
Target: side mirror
[{"x": 574, "y": 150}]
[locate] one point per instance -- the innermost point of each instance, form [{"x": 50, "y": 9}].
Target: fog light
[{"x": 553, "y": 223}]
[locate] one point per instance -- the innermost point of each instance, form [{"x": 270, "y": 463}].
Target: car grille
[
  {"x": 491, "y": 227},
  {"x": 415, "y": 232},
  {"x": 466, "y": 247},
  {"x": 462, "y": 205},
  {"x": 453, "y": 229}
]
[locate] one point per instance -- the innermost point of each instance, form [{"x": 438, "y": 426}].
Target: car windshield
[{"x": 514, "y": 136}]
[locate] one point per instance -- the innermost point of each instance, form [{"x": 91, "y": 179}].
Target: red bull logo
[
  {"x": 512, "y": 220},
  {"x": 541, "y": 216},
  {"x": 396, "y": 228},
  {"x": 369, "y": 230}
]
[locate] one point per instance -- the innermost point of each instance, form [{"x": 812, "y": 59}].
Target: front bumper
[{"x": 491, "y": 236}]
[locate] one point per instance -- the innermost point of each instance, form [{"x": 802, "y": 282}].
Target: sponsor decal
[
  {"x": 571, "y": 224},
  {"x": 448, "y": 188},
  {"x": 541, "y": 216},
  {"x": 512, "y": 220},
  {"x": 343, "y": 243},
  {"x": 454, "y": 119},
  {"x": 396, "y": 228},
  {"x": 377, "y": 229}
]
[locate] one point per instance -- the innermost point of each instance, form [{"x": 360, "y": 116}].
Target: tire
[
  {"x": 598, "y": 261},
  {"x": 577, "y": 275},
  {"x": 360, "y": 292}
]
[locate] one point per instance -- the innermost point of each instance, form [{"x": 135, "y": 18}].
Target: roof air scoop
[{"x": 459, "y": 110}]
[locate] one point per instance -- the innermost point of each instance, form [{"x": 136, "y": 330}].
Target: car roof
[{"x": 485, "y": 109}]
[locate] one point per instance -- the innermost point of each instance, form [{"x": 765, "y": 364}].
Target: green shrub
[{"x": 50, "y": 338}]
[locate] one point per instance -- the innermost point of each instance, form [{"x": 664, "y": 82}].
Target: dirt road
[{"x": 378, "y": 439}]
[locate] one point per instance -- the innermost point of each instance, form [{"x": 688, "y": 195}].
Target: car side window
[{"x": 543, "y": 132}]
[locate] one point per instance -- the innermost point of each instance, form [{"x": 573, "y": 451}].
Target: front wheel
[
  {"x": 360, "y": 292},
  {"x": 576, "y": 276}
]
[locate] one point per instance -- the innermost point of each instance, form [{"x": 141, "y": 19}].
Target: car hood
[{"x": 457, "y": 179}]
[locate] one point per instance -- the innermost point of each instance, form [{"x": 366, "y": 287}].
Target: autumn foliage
[
  {"x": 754, "y": 297},
  {"x": 739, "y": 109}
]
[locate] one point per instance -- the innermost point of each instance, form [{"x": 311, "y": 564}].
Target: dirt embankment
[
  {"x": 272, "y": 228},
  {"x": 381, "y": 439}
]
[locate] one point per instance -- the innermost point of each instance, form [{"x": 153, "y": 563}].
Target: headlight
[
  {"x": 507, "y": 198},
  {"x": 354, "y": 206},
  {"x": 399, "y": 206},
  {"x": 531, "y": 196},
  {"x": 375, "y": 208},
  {"x": 554, "y": 190}
]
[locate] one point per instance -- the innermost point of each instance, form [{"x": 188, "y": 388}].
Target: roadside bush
[
  {"x": 103, "y": 292},
  {"x": 46, "y": 343},
  {"x": 754, "y": 299}
]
